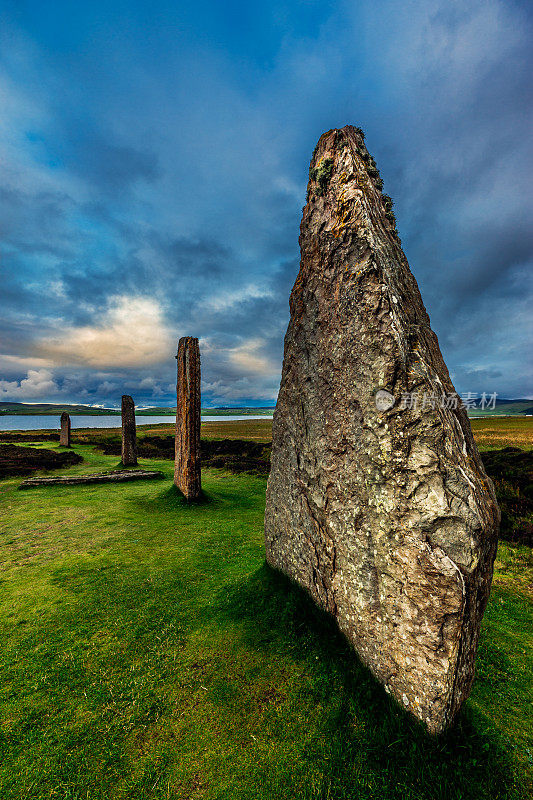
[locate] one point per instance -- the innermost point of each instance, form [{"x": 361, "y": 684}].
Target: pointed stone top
[
  {"x": 342, "y": 168},
  {"x": 187, "y": 341}
]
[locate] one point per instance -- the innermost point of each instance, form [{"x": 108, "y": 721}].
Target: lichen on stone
[{"x": 321, "y": 175}]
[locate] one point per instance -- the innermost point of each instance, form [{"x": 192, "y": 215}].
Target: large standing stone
[
  {"x": 187, "y": 467},
  {"x": 383, "y": 513},
  {"x": 64, "y": 433},
  {"x": 129, "y": 432}
]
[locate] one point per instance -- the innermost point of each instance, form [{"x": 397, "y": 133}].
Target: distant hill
[
  {"x": 54, "y": 409},
  {"x": 503, "y": 406}
]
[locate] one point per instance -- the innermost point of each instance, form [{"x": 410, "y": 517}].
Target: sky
[{"x": 154, "y": 160}]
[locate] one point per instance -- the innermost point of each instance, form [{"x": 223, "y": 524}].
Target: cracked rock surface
[{"x": 383, "y": 512}]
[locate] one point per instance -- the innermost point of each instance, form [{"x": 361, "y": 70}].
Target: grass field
[
  {"x": 489, "y": 433},
  {"x": 146, "y": 651},
  {"x": 492, "y": 434}
]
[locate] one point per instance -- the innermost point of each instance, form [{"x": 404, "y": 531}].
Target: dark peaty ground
[{"x": 16, "y": 460}]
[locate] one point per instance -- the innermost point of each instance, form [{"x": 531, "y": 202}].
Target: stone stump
[
  {"x": 129, "y": 433},
  {"x": 187, "y": 468},
  {"x": 64, "y": 434},
  {"x": 377, "y": 501}
]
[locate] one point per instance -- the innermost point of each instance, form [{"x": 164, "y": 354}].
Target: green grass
[
  {"x": 146, "y": 651},
  {"x": 493, "y": 433}
]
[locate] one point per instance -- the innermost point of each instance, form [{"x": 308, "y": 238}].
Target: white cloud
[
  {"x": 106, "y": 388},
  {"x": 241, "y": 389},
  {"x": 152, "y": 384},
  {"x": 17, "y": 364},
  {"x": 246, "y": 371},
  {"x": 247, "y": 357},
  {"x": 223, "y": 301},
  {"x": 39, "y": 383},
  {"x": 131, "y": 333}
]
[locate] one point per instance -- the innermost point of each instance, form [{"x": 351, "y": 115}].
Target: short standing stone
[
  {"x": 64, "y": 435},
  {"x": 129, "y": 433},
  {"x": 377, "y": 501},
  {"x": 187, "y": 470}
]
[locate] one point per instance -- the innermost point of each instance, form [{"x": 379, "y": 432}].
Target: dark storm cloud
[
  {"x": 31, "y": 222},
  {"x": 111, "y": 167},
  {"x": 166, "y": 171}
]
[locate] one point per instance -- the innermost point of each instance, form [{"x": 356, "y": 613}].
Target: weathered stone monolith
[
  {"x": 187, "y": 467},
  {"x": 377, "y": 502},
  {"x": 129, "y": 432},
  {"x": 64, "y": 434}
]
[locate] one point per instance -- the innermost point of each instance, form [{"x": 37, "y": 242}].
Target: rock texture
[
  {"x": 129, "y": 432},
  {"x": 64, "y": 435},
  {"x": 380, "y": 508},
  {"x": 187, "y": 465}
]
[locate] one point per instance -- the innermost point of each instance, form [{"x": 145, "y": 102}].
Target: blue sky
[{"x": 155, "y": 158}]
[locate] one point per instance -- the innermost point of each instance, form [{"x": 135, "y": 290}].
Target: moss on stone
[{"x": 323, "y": 174}]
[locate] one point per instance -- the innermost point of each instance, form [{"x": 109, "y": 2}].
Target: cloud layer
[
  {"x": 131, "y": 333},
  {"x": 154, "y": 171}
]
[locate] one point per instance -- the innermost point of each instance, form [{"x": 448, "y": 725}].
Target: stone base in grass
[{"x": 119, "y": 476}]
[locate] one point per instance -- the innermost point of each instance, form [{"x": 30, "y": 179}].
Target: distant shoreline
[
  {"x": 504, "y": 407},
  {"x": 151, "y": 412}
]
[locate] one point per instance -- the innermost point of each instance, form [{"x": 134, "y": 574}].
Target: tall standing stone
[
  {"x": 129, "y": 432},
  {"x": 187, "y": 467},
  {"x": 377, "y": 502},
  {"x": 64, "y": 434}
]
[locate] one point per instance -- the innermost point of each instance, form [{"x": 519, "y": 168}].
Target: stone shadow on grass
[
  {"x": 468, "y": 761},
  {"x": 171, "y": 499}
]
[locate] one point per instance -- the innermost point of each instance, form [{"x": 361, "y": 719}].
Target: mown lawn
[{"x": 146, "y": 651}]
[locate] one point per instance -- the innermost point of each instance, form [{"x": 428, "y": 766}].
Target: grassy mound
[{"x": 16, "y": 460}]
